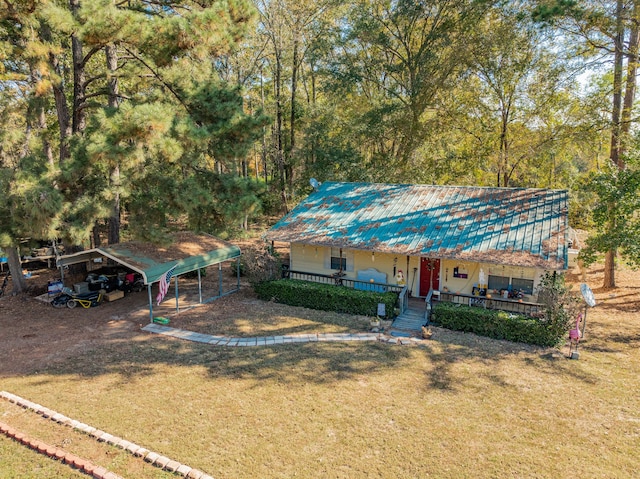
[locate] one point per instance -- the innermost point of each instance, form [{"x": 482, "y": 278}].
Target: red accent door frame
[{"x": 429, "y": 275}]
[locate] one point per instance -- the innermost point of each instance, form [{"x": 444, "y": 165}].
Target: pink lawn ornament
[{"x": 574, "y": 335}]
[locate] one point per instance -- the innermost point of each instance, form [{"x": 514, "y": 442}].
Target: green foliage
[
  {"x": 495, "y": 324},
  {"x": 219, "y": 202},
  {"x": 325, "y": 297},
  {"x": 550, "y": 11},
  {"x": 615, "y": 213}
]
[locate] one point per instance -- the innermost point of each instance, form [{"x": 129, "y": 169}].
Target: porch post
[
  {"x": 199, "y": 286},
  {"x": 407, "y": 279}
]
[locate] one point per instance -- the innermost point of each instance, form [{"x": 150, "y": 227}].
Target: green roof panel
[{"x": 516, "y": 226}]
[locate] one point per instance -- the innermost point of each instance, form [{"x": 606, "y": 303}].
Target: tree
[
  {"x": 617, "y": 193},
  {"x": 611, "y": 29},
  {"x": 512, "y": 115},
  {"x": 399, "y": 56},
  {"x": 113, "y": 75}
]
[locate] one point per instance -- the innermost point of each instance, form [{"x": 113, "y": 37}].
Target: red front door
[{"x": 429, "y": 275}]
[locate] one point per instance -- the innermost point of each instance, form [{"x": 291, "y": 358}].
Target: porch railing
[
  {"x": 503, "y": 304},
  {"x": 342, "y": 280},
  {"x": 403, "y": 299}
]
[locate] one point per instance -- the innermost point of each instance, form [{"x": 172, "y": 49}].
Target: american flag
[{"x": 165, "y": 280}]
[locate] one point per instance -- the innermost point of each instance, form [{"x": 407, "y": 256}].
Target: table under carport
[{"x": 184, "y": 253}]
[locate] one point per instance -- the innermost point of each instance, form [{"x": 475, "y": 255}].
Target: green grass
[{"x": 459, "y": 407}]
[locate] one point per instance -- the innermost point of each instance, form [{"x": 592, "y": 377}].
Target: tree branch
[{"x": 160, "y": 79}]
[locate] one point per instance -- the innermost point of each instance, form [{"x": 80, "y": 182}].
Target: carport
[{"x": 186, "y": 251}]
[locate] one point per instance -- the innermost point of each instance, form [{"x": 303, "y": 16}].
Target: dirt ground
[{"x": 33, "y": 334}]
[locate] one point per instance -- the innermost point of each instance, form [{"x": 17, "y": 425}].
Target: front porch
[{"x": 414, "y": 312}]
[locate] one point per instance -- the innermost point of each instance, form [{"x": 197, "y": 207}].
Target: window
[
  {"x": 338, "y": 259},
  {"x": 526, "y": 285},
  {"x": 335, "y": 263},
  {"x": 498, "y": 282}
]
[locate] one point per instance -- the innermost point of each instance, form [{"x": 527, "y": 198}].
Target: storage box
[
  {"x": 113, "y": 295},
  {"x": 81, "y": 288}
]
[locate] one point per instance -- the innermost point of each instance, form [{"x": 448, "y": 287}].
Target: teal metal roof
[
  {"x": 513, "y": 226},
  {"x": 188, "y": 251}
]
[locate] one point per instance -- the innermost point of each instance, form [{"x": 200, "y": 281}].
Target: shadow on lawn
[
  {"x": 317, "y": 362},
  {"x": 312, "y": 362},
  {"x": 452, "y": 348}
]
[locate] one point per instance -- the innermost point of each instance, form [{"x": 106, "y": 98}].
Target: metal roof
[
  {"x": 188, "y": 251},
  {"x": 513, "y": 226}
]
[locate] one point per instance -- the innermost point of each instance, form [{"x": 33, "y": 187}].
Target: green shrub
[
  {"x": 498, "y": 324},
  {"x": 325, "y": 297}
]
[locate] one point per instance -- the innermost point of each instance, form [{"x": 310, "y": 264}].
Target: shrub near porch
[
  {"x": 326, "y": 297},
  {"x": 500, "y": 324}
]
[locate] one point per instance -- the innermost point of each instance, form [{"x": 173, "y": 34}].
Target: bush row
[
  {"x": 497, "y": 324},
  {"x": 325, "y": 297}
]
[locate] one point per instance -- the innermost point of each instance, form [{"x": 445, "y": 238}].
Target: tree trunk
[
  {"x": 114, "y": 220},
  {"x": 15, "y": 267},
  {"x": 617, "y": 86},
  {"x": 264, "y": 132},
  {"x": 630, "y": 90},
  {"x": 278, "y": 134},
  {"x": 96, "y": 236},
  {"x": 610, "y": 270},
  {"x": 79, "y": 86},
  {"x": 294, "y": 86},
  {"x": 62, "y": 108},
  {"x": 616, "y": 113}
]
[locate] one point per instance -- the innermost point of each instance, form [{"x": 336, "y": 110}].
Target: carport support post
[
  {"x": 220, "y": 277},
  {"x": 150, "y": 304},
  {"x": 177, "y": 304},
  {"x": 238, "y": 273},
  {"x": 199, "y": 286}
]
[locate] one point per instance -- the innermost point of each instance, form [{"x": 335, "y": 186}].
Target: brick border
[
  {"x": 156, "y": 459},
  {"x": 54, "y": 452}
]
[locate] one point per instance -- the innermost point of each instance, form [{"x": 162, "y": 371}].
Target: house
[{"x": 428, "y": 237}]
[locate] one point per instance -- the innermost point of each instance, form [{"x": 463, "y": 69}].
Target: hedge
[
  {"x": 497, "y": 324},
  {"x": 325, "y": 297}
]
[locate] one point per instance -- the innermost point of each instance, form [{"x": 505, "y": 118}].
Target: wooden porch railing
[
  {"x": 341, "y": 280},
  {"x": 503, "y": 304}
]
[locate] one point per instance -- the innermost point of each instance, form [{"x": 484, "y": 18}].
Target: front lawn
[{"x": 459, "y": 406}]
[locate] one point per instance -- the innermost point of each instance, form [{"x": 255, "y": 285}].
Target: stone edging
[
  {"x": 101, "y": 436},
  {"x": 85, "y": 466}
]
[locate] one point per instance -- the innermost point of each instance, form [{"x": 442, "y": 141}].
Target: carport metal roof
[{"x": 188, "y": 252}]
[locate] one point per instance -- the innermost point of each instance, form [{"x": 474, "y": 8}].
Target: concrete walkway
[{"x": 273, "y": 340}]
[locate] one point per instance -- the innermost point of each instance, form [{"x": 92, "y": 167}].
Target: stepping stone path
[{"x": 273, "y": 340}]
